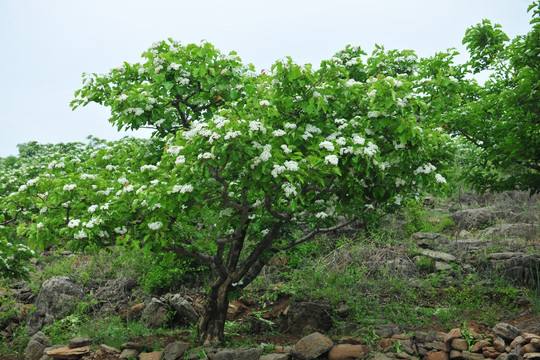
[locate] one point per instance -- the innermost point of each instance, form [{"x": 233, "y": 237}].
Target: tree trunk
[{"x": 212, "y": 323}]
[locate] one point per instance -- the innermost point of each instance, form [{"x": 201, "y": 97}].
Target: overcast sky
[{"x": 46, "y": 45}]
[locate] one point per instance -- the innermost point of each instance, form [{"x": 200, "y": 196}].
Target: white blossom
[
  {"x": 327, "y": 145},
  {"x": 69, "y": 187},
  {"x": 174, "y": 149},
  {"x": 440, "y": 179},
  {"x": 180, "y": 160},
  {"x": 155, "y": 225},
  {"x": 264, "y": 103},
  {"x": 289, "y": 126},
  {"x": 289, "y": 189},
  {"x": 286, "y": 149},
  {"x": 74, "y": 223},
  {"x": 278, "y": 133},
  {"x": 92, "y": 208},
  {"x": 206, "y": 155},
  {"x": 331, "y": 159},
  {"x": 148, "y": 167},
  {"x": 182, "y": 188}
]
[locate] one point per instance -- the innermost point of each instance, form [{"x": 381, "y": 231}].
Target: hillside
[{"x": 467, "y": 261}]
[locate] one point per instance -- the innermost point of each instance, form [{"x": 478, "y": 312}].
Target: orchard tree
[
  {"x": 501, "y": 121},
  {"x": 242, "y": 165}
]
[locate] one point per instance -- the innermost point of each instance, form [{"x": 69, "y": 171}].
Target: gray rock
[
  {"x": 36, "y": 346},
  {"x": 80, "y": 341},
  {"x": 442, "y": 266},
  {"x": 525, "y": 231},
  {"x": 438, "y": 255},
  {"x": 379, "y": 356},
  {"x": 129, "y": 354},
  {"x": 55, "y": 298},
  {"x": 506, "y": 331},
  {"x": 155, "y": 313},
  {"x": 183, "y": 309},
  {"x": 239, "y": 354},
  {"x": 311, "y": 346},
  {"x": 473, "y": 218},
  {"x": 304, "y": 317},
  {"x": 521, "y": 268},
  {"x": 275, "y": 356},
  {"x": 403, "y": 267},
  {"x": 175, "y": 350},
  {"x": 428, "y": 240},
  {"x": 387, "y": 330}
]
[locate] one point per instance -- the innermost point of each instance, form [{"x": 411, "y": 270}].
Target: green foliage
[{"x": 416, "y": 216}]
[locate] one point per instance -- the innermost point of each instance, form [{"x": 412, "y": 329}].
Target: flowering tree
[{"x": 242, "y": 165}]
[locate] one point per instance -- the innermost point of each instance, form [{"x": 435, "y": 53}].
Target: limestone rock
[
  {"x": 79, "y": 342},
  {"x": 155, "y": 313},
  {"x": 175, "y": 350},
  {"x": 183, "y": 309},
  {"x": 275, "y": 356},
  {"x": 312, "y": 346},
  {"x": 156, "y": 355},
  {"x": 453, "y": 334},
  {"x": 530, "y": 356},
  {"x": 387, "y": 330},
  {"x": 239, "y": 354},
  {"x": 347, "y": 352},
  {"x": 455, "y": 354},
  {"x": 480, "y": 345},
  {"x": 490, "y": 352},
  {"x": 66, "y": 352},
  {"x": 128, "y": 354},
  {"x": 109, "y": 349},
  {"x": 37, "y": 344},
  {"x": 506, "y": 331},
  {"x": 438, "y": 255},
  {"x": 473, "y": 218},
  {"x": 525, "y": 231},
  {"x": 55, "y": 297}
]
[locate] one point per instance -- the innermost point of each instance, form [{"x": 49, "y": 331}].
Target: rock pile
[{"x": 505, "y": 342}]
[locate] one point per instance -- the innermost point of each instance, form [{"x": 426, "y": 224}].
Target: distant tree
[{"x": 501, "y": 120}]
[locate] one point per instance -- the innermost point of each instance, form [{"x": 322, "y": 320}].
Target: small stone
[
  {"x": 109, "y": 349},
  {"x": 312, "y": 346},
  {"x": 385, "y": 344},
  {"x": 503, "y": 356},
  {"x": 347, "y": 352},
  {"x": 156, "y": 355},
  {"x": 528, "y": 348},
  {"x": 128, "y": 353},
  {"x": 490, "y": 352},
  {"x": 467, "y": 355},
  {"x": 66, "y": 352},
  {"x": 379, "y": 356},
  {"x": 453, "y": 334},
  {"x": 37, "y": 344},
  {"x": 439, "y": 255},
  {"x": 79, "y": 342},
  {"x": 402, "y": 356},
  {"x": 132, "y": 345},
  {"x": 459, "y": 344},
  {"x": 441, "y": 346},
  {"x": 387, "y": 330},
  {"x": 530, "y": 356},
  {"x": 438, "y": 355},
  {"x": 480, "y": 345},
  {"x": 435, "y": 336},
  {"x": 455, "y": 354},
  {"x": 517, "y": 341},
  {"x": 175, "y": 350},
  {"x": 498, "y": 344},
  {"x": 352, "y": 340},
  {"x": 275, "y": 356},
  {"x": 442, "y": 266}
]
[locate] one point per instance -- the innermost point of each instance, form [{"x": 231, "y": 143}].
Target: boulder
[
  {"x": 430, "y": 240},
  {"x": 37, "y": 344},
  {"x": 438, "y": 255},
  {"x": 128, "y": 354},
  {"x": 155, "y": 313},
  {"x": 521, "y": 268},
  {"x": 175, "y": 350},
  {"x": 311, "y": 346},
  {"x": 307, "y": 316},
  {"x": 55, "y": 298},
  {"x": 387, "y": 330},
  {"x": 506, "y": 331},
  {"x": 183, "y": 309},
  {"x": 473, "y": 218},
  {"x": 525, "y": 231},
  {"x": 79, "y": 342},
  {"x": 275, "y": 356}
]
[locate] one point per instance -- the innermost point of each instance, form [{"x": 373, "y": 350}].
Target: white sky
[{"x": 46, "y": 45}]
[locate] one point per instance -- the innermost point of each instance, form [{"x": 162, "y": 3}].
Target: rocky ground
[{"x": 496, "y": 235}]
